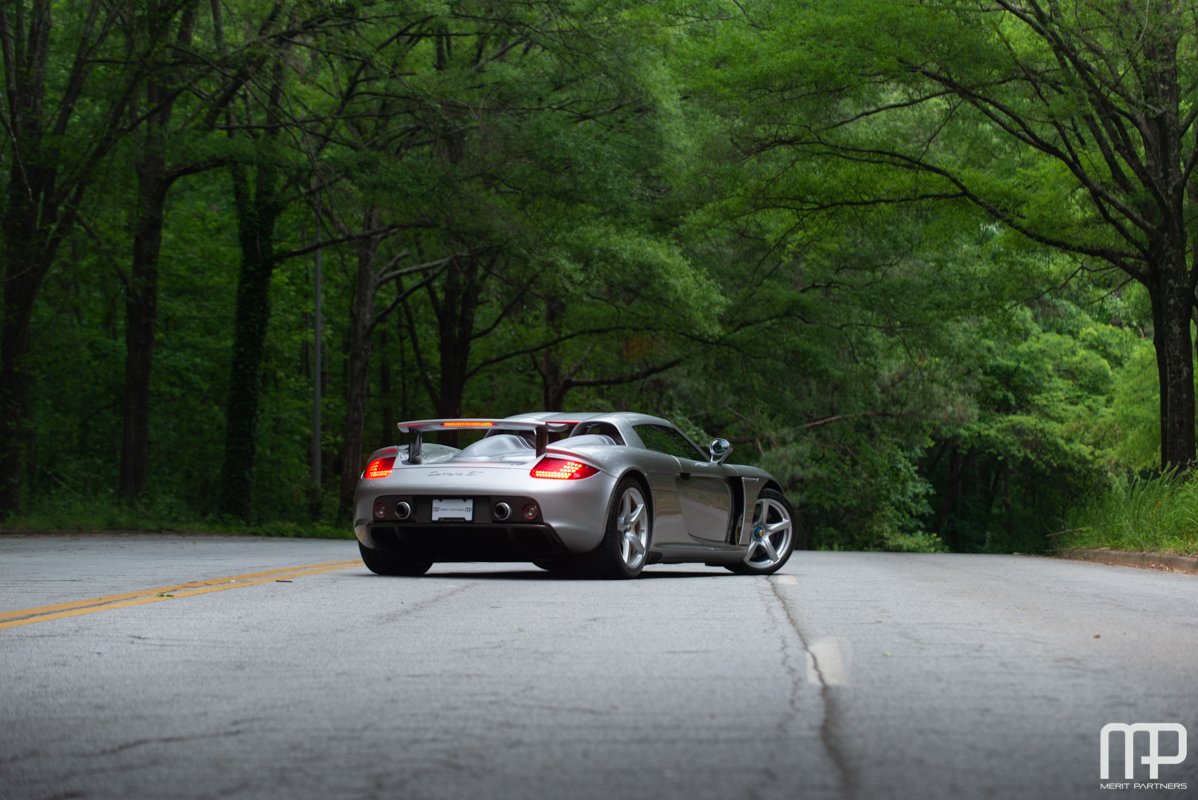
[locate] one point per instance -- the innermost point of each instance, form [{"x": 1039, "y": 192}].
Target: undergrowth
[
  {"x": 1157, "y": 514},
  {"x": 85, "y": 514}
]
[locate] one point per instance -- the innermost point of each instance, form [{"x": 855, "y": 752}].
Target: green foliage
[
  {"x": 102, "y": 510},
  {"x": 1027, "y": 438},
  {"x": 694, "y": 209},
  {"x": 1133, "y": 432},
  {"x": 918, "y": 542}
]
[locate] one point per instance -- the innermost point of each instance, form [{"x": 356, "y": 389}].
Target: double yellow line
[{"x": 29, "y": 616}]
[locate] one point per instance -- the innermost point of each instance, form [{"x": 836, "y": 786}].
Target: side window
[
  {"x": 669, "y": 441},
  {"x": 604, "y": 428}
]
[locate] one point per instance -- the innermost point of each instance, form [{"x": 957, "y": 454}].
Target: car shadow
[{"x": 541, "y": 575}]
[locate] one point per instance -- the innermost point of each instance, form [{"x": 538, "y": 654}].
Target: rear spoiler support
[{"x": 418, "y": 428}]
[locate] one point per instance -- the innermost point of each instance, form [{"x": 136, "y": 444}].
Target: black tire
[
  {"x": 780, "y": 515},
  {"x": 624, "y": 550},
  {"x": 393, "y": 562}
]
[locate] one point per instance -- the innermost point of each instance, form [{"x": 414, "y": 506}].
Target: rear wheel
[
  {"x": 393, "y": 562},
  {"x": 773, "y": 537},
  {"x": 625, "y": 546}
]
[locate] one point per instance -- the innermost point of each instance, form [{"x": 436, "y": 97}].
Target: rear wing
[{"x": 417, "y": 429}]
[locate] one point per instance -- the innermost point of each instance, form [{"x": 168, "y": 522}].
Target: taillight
[
  {"x": 379, "y": 467},
  {"x": 562, "y": 469}
]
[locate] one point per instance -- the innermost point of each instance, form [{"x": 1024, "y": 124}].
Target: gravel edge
[{"x": 1122, "y": 558}]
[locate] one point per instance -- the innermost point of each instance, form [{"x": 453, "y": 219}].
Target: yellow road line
[{"x": 28, "y": 616}]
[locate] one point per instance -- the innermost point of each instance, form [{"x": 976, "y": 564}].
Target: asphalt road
[{"x": 208, "y": 667}]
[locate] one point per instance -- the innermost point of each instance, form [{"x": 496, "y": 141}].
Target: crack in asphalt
[
  {"x": 790, "y": 719},
  {"x": 407, "y": 609},
  {"x": 830, "y": 720},
  {"x": 158, "y": 740}
]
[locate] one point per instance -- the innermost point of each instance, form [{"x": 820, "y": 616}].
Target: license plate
[{"x": 453, "y": 508}]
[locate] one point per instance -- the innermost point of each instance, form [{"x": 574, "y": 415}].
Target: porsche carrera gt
[{"x": 602, "y": 494}]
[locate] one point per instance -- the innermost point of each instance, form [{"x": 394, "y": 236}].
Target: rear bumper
[
  {"x": 571, "y": 515},
  {"x": 473, "y": 542}
]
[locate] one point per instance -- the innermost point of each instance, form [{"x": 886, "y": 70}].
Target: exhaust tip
[
  {"x": 403, "y": 510},
  {"x": 501, "y": 511}
]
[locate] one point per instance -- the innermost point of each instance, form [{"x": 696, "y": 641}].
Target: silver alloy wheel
[
  {"x": 632, "y": 525},
  {"x": 773, "y": 528}
]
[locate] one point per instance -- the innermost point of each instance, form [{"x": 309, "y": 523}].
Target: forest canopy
[{"x": 931, "y": 262}]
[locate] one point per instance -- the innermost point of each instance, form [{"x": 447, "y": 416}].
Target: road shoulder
[{"x": 1123, "y": 558}]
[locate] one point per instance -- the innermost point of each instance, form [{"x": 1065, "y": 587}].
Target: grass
[
  {"x": 80, "y": 514},
  {"x": 1158, "y": 515}
]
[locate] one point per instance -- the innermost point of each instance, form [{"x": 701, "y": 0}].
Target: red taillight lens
[
  {"x": 379, "y": 467},
  {"x": 562, "y": 469}
]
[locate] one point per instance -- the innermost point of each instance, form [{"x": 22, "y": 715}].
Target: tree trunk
[
  {"x": 258, "y": 204},
  {"x": 361, "y": 326},
  {"x": 1171, "y": 288},
  {"x": 141, "y": 311},
  {"x": 388, "y": 406},
  {"x": 25, "y": 255},
  {"x": 1172, "y": 300},
  {"x": 455, "y": 325},
  {"x": 141, "y": 296},
  {"x": 949, "y": 498},
  {"x": 553, "y": 385},
  {"x": 454, "y": 308},
  {"x": 256, "y": 219}
]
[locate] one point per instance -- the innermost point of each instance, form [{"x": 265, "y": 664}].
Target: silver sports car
[{"x": 610, "y": 494}]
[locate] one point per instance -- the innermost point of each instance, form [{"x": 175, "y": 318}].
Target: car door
[{"x": 702, "y": 488}]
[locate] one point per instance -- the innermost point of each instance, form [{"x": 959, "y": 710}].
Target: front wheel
[
  {"x": 393, "y": 562},
  {"x": 625, "y": 546},
  {"x": 773, "y": 537}
]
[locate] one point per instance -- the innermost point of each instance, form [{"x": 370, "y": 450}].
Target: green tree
[
  {"x": 265, "y": 176},
  {"x": 68, "y": 90},
  {"x": 259, "y": 184},
  {"x": 1071, "y": 123},
  {"x": 166, "y": 81}
]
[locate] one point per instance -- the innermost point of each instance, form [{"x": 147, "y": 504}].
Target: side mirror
[{"x": 719, "y": 449}]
